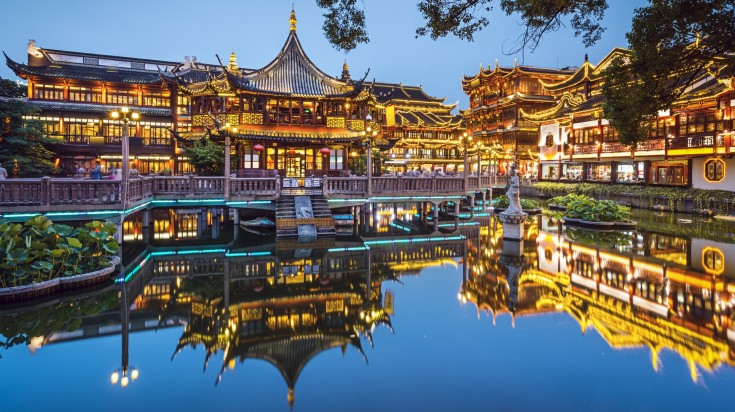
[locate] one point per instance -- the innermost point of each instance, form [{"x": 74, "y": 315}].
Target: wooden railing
[
  {"x": 345, "y": 186},
  {"x": 240, "y": 187},
  {"x": 47, "y": 194}
]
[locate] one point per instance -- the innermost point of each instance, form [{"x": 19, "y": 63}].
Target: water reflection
[
  {"x": 637, "y": 289},
  {"x": 241, "y": 297}
]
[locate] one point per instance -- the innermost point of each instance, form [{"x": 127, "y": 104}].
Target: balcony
[{"x": 117, "y": 140}]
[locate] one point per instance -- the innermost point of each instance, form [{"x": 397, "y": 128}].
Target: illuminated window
[
  {"x": 714, "y": 170},
  {"x": 713, "y": 260},
  {"x": 250, "y": 158}
]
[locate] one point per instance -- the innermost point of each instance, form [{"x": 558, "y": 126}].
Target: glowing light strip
[
  {"x": 250, "y": 202},
  {"x": 241, "y": 254},
  {"x": 414, "y": 240},
  {"x": 348, "y": 249},
  {"x": 400, "y": 227}
]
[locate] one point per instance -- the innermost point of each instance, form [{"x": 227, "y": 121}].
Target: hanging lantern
[
  {"x": 258, "y": 147},
  {"x": 324, "y": 150}
]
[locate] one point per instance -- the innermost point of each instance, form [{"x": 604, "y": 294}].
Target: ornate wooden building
[
  {"x": 689, "y": 144},
  {"x": 499, "y": 99},
  {"x": 289, "y": 117}
]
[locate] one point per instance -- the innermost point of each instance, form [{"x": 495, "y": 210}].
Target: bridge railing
[
  {"x": 23, "y": 192},
  {"x": 83, "y": 192},
  {"x": 240, "y": 187},
  {"x": 356, "y": 186}
]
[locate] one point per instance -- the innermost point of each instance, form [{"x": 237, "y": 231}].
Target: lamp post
[
  {"x": 368, "y": 135},
  {"x": 126, "y": 116},
  {"x": 466, "y": 139},
  {"x": 228, "y": 142},
  {"x": 125, "y": 374}
]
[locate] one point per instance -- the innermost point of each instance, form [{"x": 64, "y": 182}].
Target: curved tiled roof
[
  {"x": 104, "y": 74},
  {"x": 293, "y": 73},
  {"x": 429, "y": 120}
]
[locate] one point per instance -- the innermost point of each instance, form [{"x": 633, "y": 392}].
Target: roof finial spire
[
  {"x": 586, "y": 57},
  {"x": 232, "y": 66},
  {"x": 345, "y": 72},
  {"x": 292, "y": 19},
  {"x": 515, "y": 62},
  {"x": 496, "y": 63}
]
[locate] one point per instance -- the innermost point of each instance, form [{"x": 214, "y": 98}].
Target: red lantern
[
  {"x": 258, "y": 147},
  {"x": 324, "y": 150}
]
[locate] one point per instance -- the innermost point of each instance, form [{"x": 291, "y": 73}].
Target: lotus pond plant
[
  {"x": 40, "y": 250},
  {"x": 502, "y": 202}
]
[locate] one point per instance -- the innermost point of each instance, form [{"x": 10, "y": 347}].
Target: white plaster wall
[{"x": 699, "y": 182}]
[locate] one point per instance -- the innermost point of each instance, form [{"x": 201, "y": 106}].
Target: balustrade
[
  {"x": 345, "y": 186},
  {"x": 21, "y": 192},
  {"x": 696, "y": 142},
  {"x": 254, "y": 186},
  {"x": 83, "y": 192}
]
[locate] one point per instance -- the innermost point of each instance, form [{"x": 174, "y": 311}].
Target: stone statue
[{"x": 513, "y": 193}]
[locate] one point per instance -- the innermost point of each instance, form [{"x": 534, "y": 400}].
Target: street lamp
[
  {"x": 125, "y": 374},
  {"x": 126, "y": 116},
  {"x": 227, "y": 130}
]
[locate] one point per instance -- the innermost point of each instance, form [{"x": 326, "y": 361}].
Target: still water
[{"x": 391, "y": 315}]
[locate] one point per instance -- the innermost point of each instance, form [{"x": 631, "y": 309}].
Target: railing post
[
  {"x": 45, "y": 191},
  {"x": 192, "y": 191}
]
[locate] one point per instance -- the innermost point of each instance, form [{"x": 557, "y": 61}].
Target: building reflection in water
[
  {"x": 249, "y": 297},
  {"x": 637, "y": 289}
]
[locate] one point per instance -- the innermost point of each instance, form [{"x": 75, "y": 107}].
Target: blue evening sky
[{"x": 256, "y": 30}]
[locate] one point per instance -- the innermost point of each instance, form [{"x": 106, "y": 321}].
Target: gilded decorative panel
[
  {"x": 356, "y": 125},
  {"x": 233, "y": 119},
  {"x": 336, "y": 122},
  {"x": 252, "y": 118}
]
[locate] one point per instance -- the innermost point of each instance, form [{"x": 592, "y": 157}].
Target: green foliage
[
  {"x": 24, "y": 141},
  {"x": 597, "y": 239},
  {"x": 358, "y": 164},
  {"x": 9, "y": 88},
  {"x": 40, "y": 250},
  {"x": 207, "y": 158},
  {"x": 566, "y": 199},
  {"x": 672, "y": 43},
  {"x": 18, "y": 328},
  {"x": 591, "y": 210},
  {"x": 344, "y": 24},
  {"x": 719, "y": 201},
  {"x": 502, "y": 202}
]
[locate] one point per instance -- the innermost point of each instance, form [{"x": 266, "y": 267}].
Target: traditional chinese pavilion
[
  {"x": 499, "y": 99},
  {"x": 289, "y": 118}
]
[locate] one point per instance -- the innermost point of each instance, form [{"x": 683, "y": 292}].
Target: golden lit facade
[
  {"x": 689, "y": 145},
  {"x": 499, "y": 99},
  {"x": 647, "y": 291},
  {"x": 288, "y": 118}
]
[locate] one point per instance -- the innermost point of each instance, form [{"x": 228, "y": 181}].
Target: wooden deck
[{"x": 80, "y": 195}]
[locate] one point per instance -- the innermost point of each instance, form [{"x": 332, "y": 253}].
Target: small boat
[
  {"x": 259, "y": 222},
  {"x": 343, "y": 220}
]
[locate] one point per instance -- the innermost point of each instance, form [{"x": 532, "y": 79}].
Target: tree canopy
[
  {"x": 23, "y": 141},
  {"x": 207, "y": 157},
  {"x": 345, "y": 25},
  {"x": 9, "y": 88}
]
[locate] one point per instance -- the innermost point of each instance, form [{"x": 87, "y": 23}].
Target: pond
[{"x": 392, "y": 315}]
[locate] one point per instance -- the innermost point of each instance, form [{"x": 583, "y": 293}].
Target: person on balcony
[{"x": 96, "y": 172}]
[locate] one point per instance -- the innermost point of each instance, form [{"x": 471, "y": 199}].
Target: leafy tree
[
  {"x": 207, "y": 157},
  {"x": 24, "y": 141},
  {"x": 9, "y": 88},
  {"x": 344, "y": 24},
  {"x": 673, "y": 43}
]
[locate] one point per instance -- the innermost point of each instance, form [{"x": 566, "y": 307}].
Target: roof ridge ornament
[{"x": 292, "y": 19}]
